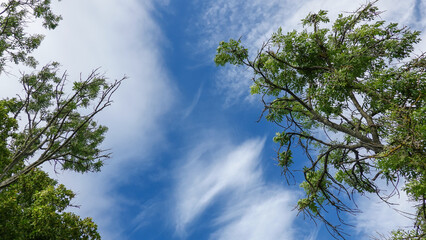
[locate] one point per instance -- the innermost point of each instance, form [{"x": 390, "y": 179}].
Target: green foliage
[
  {"x": 237, "y": 53},
  {"x": 55, "y": 128},
  {"x": 358, "y": 81},
  {"x": 34, "y": 208},
  {"x": 15, "y": 43},
  {"x": 7, "y": 125}
]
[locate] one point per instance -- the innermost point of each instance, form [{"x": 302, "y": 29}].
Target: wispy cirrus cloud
[
  {"x": 211, "y": 170},
  {"x": 253, "y": 21},
  {"x": 262, "y": 213},
  {"x": 219, "y": 172},
  {"x": 194, "y": 103}
]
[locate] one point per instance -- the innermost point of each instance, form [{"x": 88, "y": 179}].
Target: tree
[
  {"x": 49, "y": 122},
  {"x": 360, "y": 83}
]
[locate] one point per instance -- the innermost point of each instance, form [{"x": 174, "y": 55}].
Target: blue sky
[{"x": 190, "y": 160}]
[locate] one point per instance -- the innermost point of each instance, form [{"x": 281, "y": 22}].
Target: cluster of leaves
[
  {"x": 15, "y": 43},
  {"x": 354, "y": 82},
  {"x": 33, "y": 208},
  {"x": 47, "y": 123}
]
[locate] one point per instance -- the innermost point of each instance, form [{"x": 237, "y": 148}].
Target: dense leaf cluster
[{"x": 33, "y": 208}]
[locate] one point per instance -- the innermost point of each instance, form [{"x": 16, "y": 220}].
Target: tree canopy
[
  {"x": 49, "y": 122},
  {"x": 34, "y": 208},
  {"x": 352, "y": 96}
]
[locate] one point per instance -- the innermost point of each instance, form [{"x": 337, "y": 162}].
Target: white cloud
[
  {"x": 263, "y": 214},
  {"x": 235, "y": 82},
  {"x": 212, "y": 170},
  {"x": 218, "y": 171},
  {"x": 194, "y": 103}
]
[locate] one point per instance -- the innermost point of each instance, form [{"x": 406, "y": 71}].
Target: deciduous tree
[{"x": 359, "y": 82}]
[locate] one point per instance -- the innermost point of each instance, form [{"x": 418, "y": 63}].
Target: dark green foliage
[
  {"x": 33, "y": 208},
  {"x": 360, "y": 83}
]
